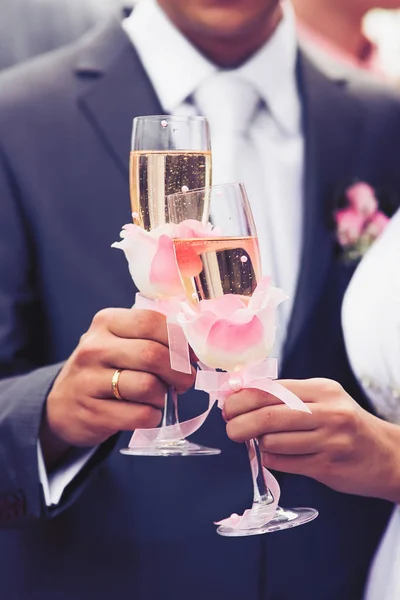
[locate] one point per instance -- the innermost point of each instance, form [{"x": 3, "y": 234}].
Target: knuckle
[
  {"x": 84, "y": 337},
  {"x": 87, "y": 413},
  {"x": 258, "y": 398},
  {"x": 341, "y": 448},
  {"x": 103, "y": 318},
  {"x": 148, "y": 322},
  {"x": 88, "y": 385},
  {"x": 89, "y": 350},
  {"x": 148, "y": 385},
  {"x": 185, "y": 383},
  {"x": 234, "y": 432},
  {"x": 100, "y": 318},
  {"x": 84, "y": 353},
  {"x": 343, "y": 417},
  {"x": 270, "y": 460},
  {"x": 152, "y": 354},
  {"x": 152, "y": 390},
  {"x": 147, "y": 416},
  {"x": 89, "y": 410},
  {"x": 229, "y": 408},
  {"x": 265, "y": 443},
  {"x": 268, "y": 419},
  {"x": 329, "y": 387}
]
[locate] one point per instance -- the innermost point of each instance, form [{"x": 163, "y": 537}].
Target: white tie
[{"x": 231, "y": 104}]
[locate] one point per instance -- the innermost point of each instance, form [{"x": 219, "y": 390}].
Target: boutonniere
[{"x": 359, "y": 221}]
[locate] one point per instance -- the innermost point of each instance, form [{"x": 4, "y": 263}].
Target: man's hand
[
  {"x": 81, "y": 409},
  {"x": 339, "y": 444}
]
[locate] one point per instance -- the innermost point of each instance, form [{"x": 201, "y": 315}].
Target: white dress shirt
[
  {"x": 276, "y": 131},
  {"x": 177, "y": 69},
  {"x": 371, "y": 325}
]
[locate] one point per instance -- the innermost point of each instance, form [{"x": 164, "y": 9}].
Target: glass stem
[
  {"x": 262, "y": 494},
  {"x": 170, "y": 417}
]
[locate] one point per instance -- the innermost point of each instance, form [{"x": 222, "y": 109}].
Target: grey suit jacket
[
  {"x": 31, "y": 27},
  {"x": 143, "y": 528}
]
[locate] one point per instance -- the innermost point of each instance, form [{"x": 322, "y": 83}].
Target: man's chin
[{"x": 225, "y": 22}]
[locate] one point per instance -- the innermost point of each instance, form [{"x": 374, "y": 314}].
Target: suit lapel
[
  {"x": 114, "y": 89},
  {"x": 333, "y": 127}
]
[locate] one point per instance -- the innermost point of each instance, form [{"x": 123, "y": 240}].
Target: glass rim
[
  {"x": 180, "y": 118},
  {"x": 239, "y": 184}
]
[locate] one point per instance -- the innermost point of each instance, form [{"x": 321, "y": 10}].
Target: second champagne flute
[{"x": 229, "y": 265}]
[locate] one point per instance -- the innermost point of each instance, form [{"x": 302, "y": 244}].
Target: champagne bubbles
[
  {"x": 184, "y": 189},
  {"x": 243, "y": 259}
]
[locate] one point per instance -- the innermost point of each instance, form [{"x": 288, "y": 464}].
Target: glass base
[
  {"x": 283, "y": 519},
  {"x": 171, "y": 448}
]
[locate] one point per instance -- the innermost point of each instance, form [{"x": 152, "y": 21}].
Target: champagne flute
[
  {"x": 168, "y": 154},
  {"x": 230, "y": 264}
]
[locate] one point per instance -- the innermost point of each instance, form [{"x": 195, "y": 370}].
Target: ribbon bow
[
  {"x": 220, "y": 386},
  {"x": 217, "y": 384},
  {"x": 260, "y": 377}
]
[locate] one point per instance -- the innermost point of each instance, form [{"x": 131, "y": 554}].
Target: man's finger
[
  {"x": 133, "y": 324},
  {"x": 146, "y": 356},
  {"x": 115, "y": 415},
  {"x": 133, "y": 386}
]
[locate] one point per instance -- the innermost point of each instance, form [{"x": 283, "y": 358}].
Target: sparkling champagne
[
  {"x": 155, "y": 174},
  {"x": 212, "y": 267}
]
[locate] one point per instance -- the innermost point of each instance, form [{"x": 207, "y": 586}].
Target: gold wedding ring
[{"x": 114, "y": 384}]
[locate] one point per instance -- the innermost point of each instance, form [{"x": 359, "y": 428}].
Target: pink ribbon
[
  {"x": 220, "y": 386},
  {"x": 260, "y": 514},
  {"x": 145, "y": 437},
  {"x": 180, "y": 361},
  {"x": 259, "y": 377}
]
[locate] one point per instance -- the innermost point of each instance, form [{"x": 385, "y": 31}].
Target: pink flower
[
  {"x": 231, "y": 331},
  {"x": 350, "y": 225},
  {"x": 360, "y": 222},
  {"x": 376, "y": 225},
  {"x": 151, "y": 256},
  {"x": 362, "y": 199}
]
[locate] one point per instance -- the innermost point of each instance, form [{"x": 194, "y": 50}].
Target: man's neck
[
  {"x": 343, "y": 28},
  {"x": 230, "y": 51}
]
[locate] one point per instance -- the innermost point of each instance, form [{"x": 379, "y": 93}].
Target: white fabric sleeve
[
  {"x": 371, "y": 325},
  {"x": 55, "y": 484},
  {"x": 371, "y": 322}
]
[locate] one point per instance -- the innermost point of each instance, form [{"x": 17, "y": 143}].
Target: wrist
[
  {"x": 53, "y": 447},
  {"x": 391, "y": 482}
]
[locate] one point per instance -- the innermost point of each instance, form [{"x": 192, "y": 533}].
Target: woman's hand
[{"x": 339, "y": 444}]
